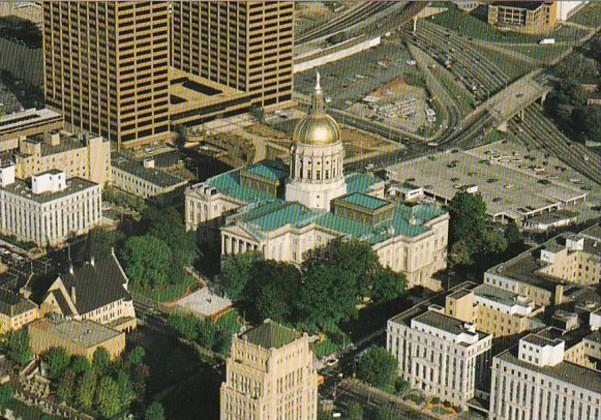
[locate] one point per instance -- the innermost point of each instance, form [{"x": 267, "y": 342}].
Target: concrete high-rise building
[
  {"x": 441, "y": 355},
  {"x": 244, "y": 45},
  {"x": 106, "y": 67},
  {"x": 270, "y": 376},
  {"x": 535, "y": 381}
]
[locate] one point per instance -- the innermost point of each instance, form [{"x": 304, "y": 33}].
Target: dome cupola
[{"x": 317, "y": 127}]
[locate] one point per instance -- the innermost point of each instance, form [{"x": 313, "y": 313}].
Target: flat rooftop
[
  {"x": 510, "y": 191},
  {"x": 553, "y": 217},
  {"x": 443, "y": 322},
  {"x": 29, "y": 116},
  {"x": 154, "y": 176},
  {"x": 530, "y": 5},
  {"x": 86, "y": 333},
  {"x": 23, "y": 189}
]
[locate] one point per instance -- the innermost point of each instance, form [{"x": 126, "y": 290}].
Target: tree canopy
[
  {"x": 154, "y": 411},
  {"x": 377, "y": 367},
  {"x": 147, "y": 260},
  {"x": 19, "y": 349},
  {"x": 237, "y": 271}
]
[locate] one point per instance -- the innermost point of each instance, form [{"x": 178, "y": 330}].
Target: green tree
[
  {"x": 58, "y": 360},
  {"x": 401, "y": 385},
  {"x": 494, "y": 241},
  {"x": 355, "y": 257},
  {"x": 513, "y": 236},
  {"x": 355, "y": 411},
  {"x": 377, "y": 367},
  {"x": 467, "y": 223},
  {"x": 236, "y": 272},
  {"x": 273, "y": 289},
  {"x": 87, "y": 387},
  {"x": 388, "y": 285},
  {"x": 103, "y": 240},
  {"x": 328, "y": 295},
  {"x": 387, "y": 411},
  {"x": 167, "y": 225},
  {"x": 66, "y": 385},
  {"x": 6, "y": 394},
  {"x": 136, "y": 355},
  {"x": 101, "y": 360},
  {"x": 207, "y": 334},
  {"x": 139, "y": 375},
  {"x": 460, "y": 253},
  {"x": 19, "y": 349},
  {"x": 125, "y": 388},
  {"x": 147, "y": 260},
  {"x": 80, "y": 364},
  {"x": 154, "y": 411},
  {"x": 107, "y": 397},
  {"x": 184, "y": 325}
]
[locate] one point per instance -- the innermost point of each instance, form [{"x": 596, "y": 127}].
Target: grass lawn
[
  {"x": 168, "y": 292},
  {"x": 441, "y": 411},
  {"x": 512, "y": 67},
  {"x": 415, "y": 398},
  {"x": 325, "y": 347},
  {"x": 589, "y": 15},
  {"x": 463, "y": 97},
  {"x": 543, "y": 53}
]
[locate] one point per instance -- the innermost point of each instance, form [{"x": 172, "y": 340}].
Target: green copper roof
[
  {"x": 360, "y": 182},
  {"x": 270, "y": 335},
  {"x": 229, "y": 184},
  {"x": 272, "y": 170},
  {"x": 343, "y": 225},
  {"x": 364, "y": 200},
  {"x": 275, "y": 215}
]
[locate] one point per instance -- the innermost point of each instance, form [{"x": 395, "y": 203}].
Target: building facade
[
  {"x": 82, "y": 156},
  {"x": 74, "y": 294},
  {"x": 438, "y": 354},
  {"x": 106, "y": 66},
  {"x": 269, "y": 376},
  {"x": 494, "y": 310},
  {"x": 142, "y": 179},
  {"x": 48, "y": 208},
  {"x": 15, "y": 311},
  {"x": 532, "y": 17},
  {"x": 286, "y": 211},
  {"x": 535, "y": 382},
  {"x": 244, "y": 45}
]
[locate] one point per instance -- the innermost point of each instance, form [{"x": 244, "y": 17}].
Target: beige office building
[
  {"x": 243, "y": 45},
  {"x": 106, "y": 66},
  {"x": 15, "y": 311},
  {"x": 494, "y": 310},
  {"x": 48, "y": 208},
  {"x": 79, "y": 155},
  {"x": 535, "y": 382},
  {"x": 270, "y": 376},
  {"x": 543, "y": 274},
  {"x": 443, "y": 356}
]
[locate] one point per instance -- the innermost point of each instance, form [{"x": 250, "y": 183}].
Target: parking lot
[
  {"x": 349, "y": 80},
  {"x": 512, "y": 179}
]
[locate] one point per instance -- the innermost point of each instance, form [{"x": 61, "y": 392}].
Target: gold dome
[{"x": 317, "y": 127}]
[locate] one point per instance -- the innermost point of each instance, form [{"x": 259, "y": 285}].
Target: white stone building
[
  {"x": 438, "y": 354},
  {"x": 286, "y": 211},
  {"x": 535, "y": 382},
  {"x": 48, "y": 208}
]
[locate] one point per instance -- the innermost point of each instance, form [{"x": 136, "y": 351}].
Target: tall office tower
[
  {"x": 106, "y": 66},
  {"x": 245, "y": 45},
  {"x": 270, "y": 375}
]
